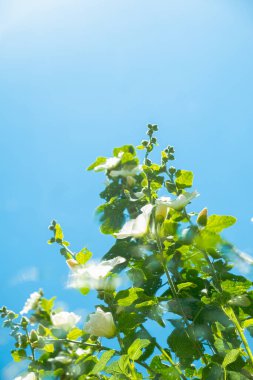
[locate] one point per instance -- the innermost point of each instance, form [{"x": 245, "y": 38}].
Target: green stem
[
  {"x": 165, "y": 354},
  {"x": 68, "y": 250},
  {"x": 95, "y": 346},
  {"x": 30, "y": 344},
  {"x": 177, "y": 299},
  {"x": 232, "y": 316},
  {"x": 228, "y": 310}
]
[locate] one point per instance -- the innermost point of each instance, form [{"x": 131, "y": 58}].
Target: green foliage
[{"x": 175, "y": 261}]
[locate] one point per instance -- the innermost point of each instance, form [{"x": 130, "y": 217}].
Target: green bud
[
  {"x": 40, "y": 343},
  {"x": 33, "y": 336},
  {"x": 145, "y": 142},
  {"x": 12, "y": 315},
  {"x": 41, "y": 330},
  {"x": 172, "y": 170},
  {"x": 171, "y": 157},
  {"x": 170, "y": 186},
  {"x": 154, "y": 140},
  {"x": 202, "y": 217},
  {"x": 24, "y": 323},
  {"x": 155, "y": 127},
  {"x": 23, "y": 341}
]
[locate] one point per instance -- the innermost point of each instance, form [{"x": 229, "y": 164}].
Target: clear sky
[{"x": 79, "y": 77}]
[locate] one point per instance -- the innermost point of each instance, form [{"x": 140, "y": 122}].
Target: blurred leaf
[
  {"x": 135, "y": 350},
  {"x": 103, "y": 360},
  {"x": 83, "y": 256},
  {"x": 230, "y": 357},
  {"x": 217, "y": 223},
  {"x": 184, "y": 178}
]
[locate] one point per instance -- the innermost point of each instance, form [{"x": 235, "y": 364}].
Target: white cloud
[{"x": 25, "y": 275}]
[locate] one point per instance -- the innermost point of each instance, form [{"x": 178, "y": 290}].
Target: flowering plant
[{"x": 180, "y": 279}]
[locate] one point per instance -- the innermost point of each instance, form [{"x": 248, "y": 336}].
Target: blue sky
[{"x": 80, "y": 77}]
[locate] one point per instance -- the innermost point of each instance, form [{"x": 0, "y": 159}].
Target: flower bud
[
  {"x": 101, "y": 324},
  {"x": 72, "y": 263},
  {"x": 33, "y": 336},
  {"x": 202, "y": 217}
]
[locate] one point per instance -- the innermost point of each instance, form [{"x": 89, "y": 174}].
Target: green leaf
[
  {"x": 58, "y": 233},
  {"x": 135, "y": 350},
  {"x": 47, "y": 305},
  {"x": 84, "y": 291},
  {"x": 165, "y": 372},
  {"x": 119, "y": 366},
  {"x": 49, "y": 348},
  {"x": 213, "y": 371},
  {"x": 99, "y": 161},
  {"x": 184, "y": 285},
  {"x": 169, "y": 228},
  {"x": 150, "y": 302},
  {"x": 125, "y": 149},
  {"x": 182, "y": 345},
  {"x": 75, "y": 334},
  {"x": 137, "y": 276},
  {"x": 231, "y": 357},
  {"x": 127, "y": 297},
  {"x": 217, "y": 223},
  {"x": 83, "y": 256},
  {"x": 236, "y": 287},
  {"x": 18, "y": 355},
  {"x": 236, "y": 376},
  {"x": 184, "y": 178},
  {"x": 247, "y": 323},
  {"x": 103, "y": 360},
  {"x": 129, "y": 321}
]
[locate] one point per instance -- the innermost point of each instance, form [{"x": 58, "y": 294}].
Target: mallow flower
[
  {"x": 162, "y": 207},
  {"x": 126, "y": 171},
  {"x": 94, "y": 275},
  {"x": 28, "y": 376},
  {"x": 65, "y": 320},
  {"x": 31, "y": 302},
  {"x": 136, "y": 227},
  {"x": 101, "y": 324},
  {"x": 180, "y": 202},
  {"x": 109, "y": 164}
]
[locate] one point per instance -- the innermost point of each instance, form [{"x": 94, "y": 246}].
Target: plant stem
[
  {"x": 232, "y": 316},
  {"x": 165, "y": 354},
  {"x": 177, "y": 299},
  {"x": 30, "y": 344},
  {"x": 228, "y": 310}
]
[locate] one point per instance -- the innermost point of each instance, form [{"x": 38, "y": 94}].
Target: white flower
[
  {"x": 101, "y": 324},
  {"x": 126, "y": 172},
  {"x": 31, "y": 302},
  {"x": 162, "y": 207},
  {"x": 28, "y": 376},
  {"x": 182, "y": 200},
  {"x": 109, "y": 164},
  {"x": 93, "y": 275},
  {"x": 65, "y": 320},
  {"x": 136, "y": 227}
]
